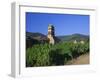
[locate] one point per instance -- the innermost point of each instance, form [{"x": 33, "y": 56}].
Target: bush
[
  {"x": 58, "y": 54},
  {"x": 38, "y": 55}
]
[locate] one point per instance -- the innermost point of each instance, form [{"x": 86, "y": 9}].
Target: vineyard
[{"x": 52, "y": 55}]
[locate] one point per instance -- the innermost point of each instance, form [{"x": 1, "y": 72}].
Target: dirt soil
[{"x": 83, "y": 59}]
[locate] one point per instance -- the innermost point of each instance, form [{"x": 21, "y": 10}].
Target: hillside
[
  {"x": 38, "y": 38},
  {"x": 34, "y": 38},
  {"x": 73, "y": 37}
]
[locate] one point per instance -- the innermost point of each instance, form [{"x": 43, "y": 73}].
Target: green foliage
[
  {"x": 58, "y": 54},
  {"x": 73, "y": 37},
  {"x": 38, "y": 55}
]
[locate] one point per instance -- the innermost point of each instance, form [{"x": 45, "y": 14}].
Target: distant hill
[
  {"x": 35, "y": 38},
  {"x": 38, "y": 38},
  {"x": 73, "y": 37}
]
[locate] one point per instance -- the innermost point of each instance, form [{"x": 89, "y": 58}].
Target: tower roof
[{"x": 50, "y": 26}]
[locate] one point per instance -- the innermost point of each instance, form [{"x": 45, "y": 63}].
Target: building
[
  {"x": 75, "y": 42},
  {"x": 51, "y": 34},
  {"x": 82, "y": 42}
]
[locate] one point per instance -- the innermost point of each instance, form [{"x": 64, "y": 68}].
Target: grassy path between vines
[{"x": 83, "y": 59}]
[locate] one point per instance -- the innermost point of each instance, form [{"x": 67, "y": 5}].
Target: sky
[{"x": 65, "y": 24}]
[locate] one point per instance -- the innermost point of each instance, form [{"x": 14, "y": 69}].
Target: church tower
[{"x": 51, "y": 34}]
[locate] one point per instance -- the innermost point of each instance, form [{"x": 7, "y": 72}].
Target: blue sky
[{"x": 65, "y": 24}]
